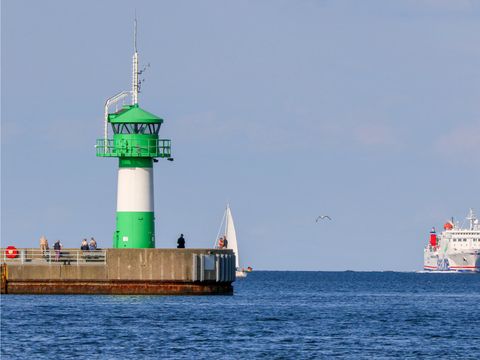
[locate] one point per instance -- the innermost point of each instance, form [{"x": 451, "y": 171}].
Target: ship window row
[{"x": 464, "y": 240}]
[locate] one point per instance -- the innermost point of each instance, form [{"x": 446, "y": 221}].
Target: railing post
[{"x": 78, "y": 257}]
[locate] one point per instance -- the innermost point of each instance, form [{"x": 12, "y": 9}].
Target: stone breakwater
[{"x": 119, "y": 271}]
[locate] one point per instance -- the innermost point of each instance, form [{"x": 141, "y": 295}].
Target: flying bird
[{"x": 323, "y": 217}]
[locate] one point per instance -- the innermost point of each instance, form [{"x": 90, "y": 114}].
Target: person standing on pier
[
  {"x": 181, "y": 242},
  {"x": 43, "y": 245},
  {"x": 57, "y": 247}
]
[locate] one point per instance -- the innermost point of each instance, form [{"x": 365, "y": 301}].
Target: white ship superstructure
[{"x": 457, "y": 248}]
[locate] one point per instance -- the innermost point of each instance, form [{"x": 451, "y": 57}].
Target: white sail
[{"x": 231, "y": 236}]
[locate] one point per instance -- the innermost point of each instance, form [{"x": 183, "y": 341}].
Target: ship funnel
[{"x": 433, "y": 238}]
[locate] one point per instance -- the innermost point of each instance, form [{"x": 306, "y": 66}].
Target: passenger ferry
[{"x": 456, "y": 249}]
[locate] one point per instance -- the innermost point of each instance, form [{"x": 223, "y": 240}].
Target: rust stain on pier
[{"x": 117, "y": 287}]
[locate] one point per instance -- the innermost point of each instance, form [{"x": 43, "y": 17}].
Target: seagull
[{"x": 323, "y": 217}]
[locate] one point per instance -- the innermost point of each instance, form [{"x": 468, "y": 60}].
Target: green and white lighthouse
[{"x": 136, "y": 144}]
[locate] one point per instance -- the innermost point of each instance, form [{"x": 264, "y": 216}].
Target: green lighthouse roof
[{"x": 133, "y": 114}]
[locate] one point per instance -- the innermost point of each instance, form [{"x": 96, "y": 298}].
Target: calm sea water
[{"x": 278, "y": 315}]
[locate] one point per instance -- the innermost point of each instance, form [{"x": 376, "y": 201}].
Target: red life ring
[
  {"x": 11, "y": 252},
  {"x": 220, "y": 244}
]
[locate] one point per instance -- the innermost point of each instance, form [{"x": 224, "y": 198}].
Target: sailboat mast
[
  {"x": 220, "y": 229},
  {"x": 226, "y": 221}
]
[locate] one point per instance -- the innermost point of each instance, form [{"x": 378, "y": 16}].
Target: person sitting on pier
[
  {"x": 43, "y": 245},
  {"x": 57, "y": 247},
  {"x": 84, "y": 245},
  {"x": 93, "y": 244},
  {"x": 181, "y": 242}
]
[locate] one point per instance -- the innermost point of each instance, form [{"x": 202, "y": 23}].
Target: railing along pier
[{"x": 51, "y": 256}]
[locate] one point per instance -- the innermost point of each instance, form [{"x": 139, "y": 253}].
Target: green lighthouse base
[{"x": 135, "y": 230}]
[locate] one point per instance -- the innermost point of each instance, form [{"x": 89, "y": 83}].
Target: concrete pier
[{"x": 120, "y": 271}]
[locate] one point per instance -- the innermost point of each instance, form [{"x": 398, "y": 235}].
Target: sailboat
[{"x": 231, "y": 240}]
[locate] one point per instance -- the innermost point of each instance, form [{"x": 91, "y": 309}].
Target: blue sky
[{"x": 367, "y": 111}]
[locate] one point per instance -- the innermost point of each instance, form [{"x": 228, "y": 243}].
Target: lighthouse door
[{"x": 115, "y": 238}]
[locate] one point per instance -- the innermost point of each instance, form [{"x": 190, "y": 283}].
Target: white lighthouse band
[{"x": 135, "y": 189}]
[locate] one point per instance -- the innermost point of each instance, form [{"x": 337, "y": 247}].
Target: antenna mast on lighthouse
[{"x": 135, "y": 65}]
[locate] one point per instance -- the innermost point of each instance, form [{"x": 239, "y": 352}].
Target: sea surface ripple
[{"x": 277, "y": 315}]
